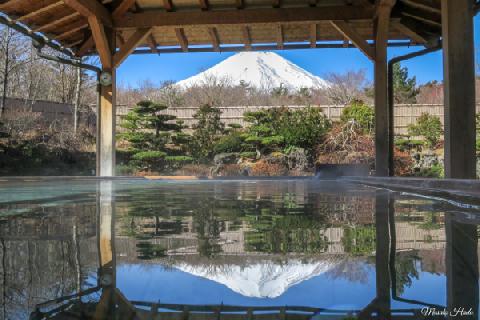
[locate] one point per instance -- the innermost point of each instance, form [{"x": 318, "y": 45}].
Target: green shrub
[
  {"x": 206, "y": 132},
  {"x": 435, "y": 171},
  {"x": 232, "y": 142},
  {"x": 361, "y": 113},
  {"x": 429, "y": 127},
  {"x": 304, "y": 128},
  {"x": 248, "y": 155}
]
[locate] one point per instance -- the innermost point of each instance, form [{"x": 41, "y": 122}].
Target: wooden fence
[{"x": 404, "y": 114}]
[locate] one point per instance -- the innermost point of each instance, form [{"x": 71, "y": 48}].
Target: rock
[
  {"x": 297, "y": 159},
  {"x": 226, "y": 158}
]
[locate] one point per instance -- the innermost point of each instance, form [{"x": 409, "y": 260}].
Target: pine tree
[
  {"x": 405, "y": 88},
  {"x": 206, "y": 131},
  {"x": 154, "y": 139}
]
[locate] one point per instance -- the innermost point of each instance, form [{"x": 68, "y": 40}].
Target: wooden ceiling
[{"x": 224, "y": 25}]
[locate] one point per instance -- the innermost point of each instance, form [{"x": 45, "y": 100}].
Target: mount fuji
[
  {"x": 261, "y": 280},
  {"x": 262, "y": 70}
]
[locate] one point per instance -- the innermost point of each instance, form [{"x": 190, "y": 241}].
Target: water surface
[{"x": 323, "y": 246}]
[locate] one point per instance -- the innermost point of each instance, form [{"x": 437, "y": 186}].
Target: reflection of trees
[
  {"x": 359, "y": 240},
  {"x": 284, "y": 228},
  {"x": 207, "y": 227},
  {"x": 45, "y": 255},
  {"x": 406, "y": 270}
]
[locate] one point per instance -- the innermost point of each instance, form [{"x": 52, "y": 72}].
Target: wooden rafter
[
  {"x": 57, "y": 23},
  {"x": 204, "y": 5},
  {"x": 72, "y": 30},
  {"x": 159, "y": 18},
  {"x": 40, "y": 11},
  {"x": 430, "y": 18},
  {"x": 212, "y": 32},
  {"x": 247, "y": 39},
  {"x": 118, "y": 12},
  {"x": 351, "y": 34},
  {"x": 130, "y": 45},
  {"x": 123, "y": 8},
  {"x": 168, "y": 5},
  {"x": 280, "y": 37},
  {"x": 409, "y": 32},
  {"x": 152, "y": 43},
  {"x": 85, "y": 47},
  {"x": 91, "y": 8},
  {"x": 182, "y": 39},
  {"x": 427, "y": 5},
  {"x": 101, "y": 42},
  {"x": 313, "y": 35},
  {"x": 240, "y": 4}
]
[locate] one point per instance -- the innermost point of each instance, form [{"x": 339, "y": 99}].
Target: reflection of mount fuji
[{"x": 263, "y": 279}]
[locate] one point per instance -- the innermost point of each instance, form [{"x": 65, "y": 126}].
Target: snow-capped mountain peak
[
  {"x": 262, "y": 70},
  {"x": 261, "y": 280}
]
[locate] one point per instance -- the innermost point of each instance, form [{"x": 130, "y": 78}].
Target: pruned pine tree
[{"x": 154, "y": 139}]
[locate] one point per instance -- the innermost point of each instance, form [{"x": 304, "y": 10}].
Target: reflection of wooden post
[
  {"x": 383, "y": 206},
  {"x": 106, "y": 248},
  {"x": 462, "y": 267},
  {"x": 459, "y": 75},
  {"x": 106, "y": 213}
]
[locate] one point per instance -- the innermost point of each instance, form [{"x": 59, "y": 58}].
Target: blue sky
[{"x": 179, "y": 66}]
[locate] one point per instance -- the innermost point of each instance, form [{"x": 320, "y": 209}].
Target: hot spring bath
[{"x": 246, "y": 249}]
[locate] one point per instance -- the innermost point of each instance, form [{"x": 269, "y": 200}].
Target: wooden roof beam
[
  {"x": 182, "y": 39},
  {"x": 71, "y": 31},
  {"x": 429, "y": 18},
  {"x": 409, "y": 32},
  {"x": 212, "y": 31},
  {"x": 130, "y": 45},
  {"x": 351, "y": 34},
  {"x": 85, "y": 47},
  {"x": 56, "y": 23},
  {"x": 152, "y": 43},
  {"x": 40, "y": 11},
  {"x": 168, "y": 5},
  {"x": 280, "y": 37},
  {"x": 101, "y": 42},
  {"x": 123, "y": 8},
  {"x": 159, "y": 18},
  {"x": 427, "y": 5},
  {"x": 117, "y": 13},
  {"x": 313, "y": 35},
  {"x": 204, "y": 5},
  {"x": 240, "y": 4},
  {"x": 91, "y": 8},
  {"x": 247, "y": 38}
]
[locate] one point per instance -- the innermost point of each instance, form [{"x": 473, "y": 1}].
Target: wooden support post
[
  {"x": 106, "y": 117},
  {"x": 459, "y": 79},
  {"x": 382, "y": 150}
]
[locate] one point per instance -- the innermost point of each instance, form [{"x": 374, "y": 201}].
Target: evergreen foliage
[
  {"x": 360, "y": 113},
  {"x": 429, "y": 127},
  {"x": 404, "y": 87},
  {"x": 152, "y": 136},
  {"x": 206, "y": 132}
]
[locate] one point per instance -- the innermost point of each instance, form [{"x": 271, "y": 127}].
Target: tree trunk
[
  {"x": 5, "y": 71},
  {"x": 76, "y": 107}
]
